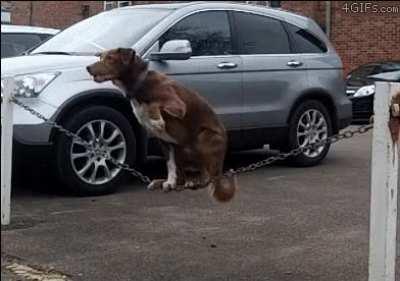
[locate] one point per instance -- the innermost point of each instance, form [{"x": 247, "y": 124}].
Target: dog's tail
[{"x": 224, "y": 188}]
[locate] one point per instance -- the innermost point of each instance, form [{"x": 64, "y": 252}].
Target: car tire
[
  {"x": 304, "y": 130},
  {"x": 110, "y": 132}
]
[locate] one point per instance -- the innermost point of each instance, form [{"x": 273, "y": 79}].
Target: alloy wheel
[{"x": 92, "y": 166}]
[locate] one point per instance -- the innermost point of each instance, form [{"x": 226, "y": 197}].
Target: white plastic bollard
[
  {"x": 384, "y": 184},
  {"x": 6, "y": 148}
]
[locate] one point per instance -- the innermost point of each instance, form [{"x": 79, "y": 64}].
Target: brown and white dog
[{"x": 195, "y": 140}]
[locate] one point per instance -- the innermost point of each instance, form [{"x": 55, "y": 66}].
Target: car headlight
[
  {"x": 31, "y": 85},
  {"x": 365, "y": 91}
]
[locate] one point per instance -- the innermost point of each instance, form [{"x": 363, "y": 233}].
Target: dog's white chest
[{"x": 155, "y": 127}]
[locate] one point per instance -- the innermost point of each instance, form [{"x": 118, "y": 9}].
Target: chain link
[
  {"x": 254, "y": 166},
  {"x": 299, "y": 150}
]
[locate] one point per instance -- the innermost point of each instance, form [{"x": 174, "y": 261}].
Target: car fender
[{"x": 320, "y": 95}]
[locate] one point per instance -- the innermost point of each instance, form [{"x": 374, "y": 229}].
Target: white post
[
  {"x": 6, "y": 149},
  {"x": 384, "y": 182}
]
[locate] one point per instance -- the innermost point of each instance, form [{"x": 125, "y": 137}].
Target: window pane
[
  {"x": 260, "y": 35},
  {"x": 362, "y": 72},
  {"x": 358, "y": 76},
  {"x": 108, "y": 30},
  {"x": 16, "y": 43},
  {"x": 123, "y": 3},
  {"x": 208, "y": 33},
  {"x": 305, "y": 42},
  {"x": 390, "y": 67},
  {"x": 108, "y": 5}
]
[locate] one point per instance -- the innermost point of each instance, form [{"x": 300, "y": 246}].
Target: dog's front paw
[
  {"x": 158, "y": 124},
  {"x": 168, "y": 186},
  {"x": 156, "y": 184}
]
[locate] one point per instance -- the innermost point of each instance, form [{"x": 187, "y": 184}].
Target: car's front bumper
[
  {"x": 32, "y": 134},
  {"x": 363, "y": 109},
  {"x": 26, "y": 154},
  {"x": 28, "y": 129}
]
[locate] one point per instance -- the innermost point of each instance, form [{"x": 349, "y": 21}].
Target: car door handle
[
  {"x": 294, "y": 63},
  {"x": 226, "y": 65}
]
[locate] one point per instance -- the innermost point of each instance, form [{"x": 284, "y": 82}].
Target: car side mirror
[{"x": 173, "y": 50}]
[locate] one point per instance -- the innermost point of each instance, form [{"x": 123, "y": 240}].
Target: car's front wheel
[
  {"x": 89, "y": 172},
  {"x": 310, "y": 123}
]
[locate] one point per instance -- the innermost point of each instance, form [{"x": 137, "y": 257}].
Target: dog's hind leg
[{"x": 212, "y": 148}]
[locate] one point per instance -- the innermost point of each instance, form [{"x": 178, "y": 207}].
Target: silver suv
[{"x": 272, "y": 77}]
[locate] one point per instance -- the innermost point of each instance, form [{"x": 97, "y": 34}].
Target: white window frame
[
  {"x": 112, "y": 3},
  {"x": 123, "y": 2},
  {"x": 106, "y": 3},
  {"x": 5, "y": 16}
]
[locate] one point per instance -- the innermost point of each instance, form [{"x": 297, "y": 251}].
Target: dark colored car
[{"x": 361, "y": 89}]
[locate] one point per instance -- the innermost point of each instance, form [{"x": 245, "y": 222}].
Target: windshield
[
  {"x": 360, "y": 76},
  {"x": 113, "y": 29}
]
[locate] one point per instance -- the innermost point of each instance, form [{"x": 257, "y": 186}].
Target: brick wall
[
  {"x": 56, "y": 14},
  {"x": 359, "y": 37},
  {"x": 365, "y": 37}
]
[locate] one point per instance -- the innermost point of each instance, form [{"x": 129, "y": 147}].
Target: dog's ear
[
  {"x": 175, "y": 107},
  {"x": 126, "y": 55}
]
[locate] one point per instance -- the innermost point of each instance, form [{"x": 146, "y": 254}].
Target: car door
[
  {"x": 213, "y": 70},
  {"x": 271, "y": 74}
]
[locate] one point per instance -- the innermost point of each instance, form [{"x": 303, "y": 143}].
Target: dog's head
[{"x": 113, "y": 64}]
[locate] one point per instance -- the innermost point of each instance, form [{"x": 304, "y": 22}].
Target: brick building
[{"x": 361, "y": 32}]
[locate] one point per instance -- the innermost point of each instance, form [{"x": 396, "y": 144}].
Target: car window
[
  {"x": 208, "y": 33},
  {"x": 260, "y": 35},
  {"x": 305, "y": 42},
  {"x": 359, "y": 76},
  {"x": 13, "y": 44},
  {"x": 388, "y": 67},
  {"x": 44, "y": 36},
  {"x": 362, "y": 72}
]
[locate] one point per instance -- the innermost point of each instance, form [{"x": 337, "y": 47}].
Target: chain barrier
[
  {"x": 299, "y": 150},
  {"x": 254, "y": 166}
]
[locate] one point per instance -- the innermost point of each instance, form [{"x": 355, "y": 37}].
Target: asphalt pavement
[{"x": 284, "y": 224}]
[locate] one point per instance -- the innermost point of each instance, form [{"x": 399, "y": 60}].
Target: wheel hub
[
  {"x": 312, "y": 128},
  {"x": 91, "y": 164}
]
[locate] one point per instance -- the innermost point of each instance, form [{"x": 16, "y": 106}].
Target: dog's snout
[{"x": 88, "y": 68}]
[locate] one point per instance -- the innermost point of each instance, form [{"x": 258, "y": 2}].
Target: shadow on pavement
[{"x": 39, "y": 178}]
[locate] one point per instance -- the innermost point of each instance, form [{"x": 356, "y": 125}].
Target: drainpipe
[
  {"x": 30, "y": 12},
  {"x": 328, "y": 9}
]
